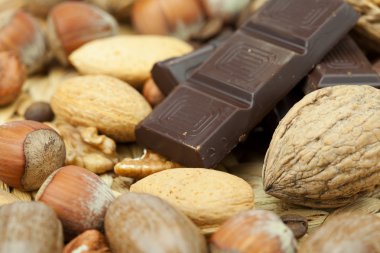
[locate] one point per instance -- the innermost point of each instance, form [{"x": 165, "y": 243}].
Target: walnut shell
[
  {"x": 345, "y": 233},
  {"x": 110, "y": 105},
  {"x": 325, "y": 151}
]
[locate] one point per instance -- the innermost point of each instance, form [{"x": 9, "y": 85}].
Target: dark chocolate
[
  {"x": 345, "y": 64},
  {"x": 204, "y": 119},
  {"x": 169, "y": 73}
]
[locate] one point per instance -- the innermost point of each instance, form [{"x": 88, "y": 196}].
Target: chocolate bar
[
  {"x": 203, "y": 119},
  {"x": 169, "y": 73},
  {"x": 345, "y": 64}
]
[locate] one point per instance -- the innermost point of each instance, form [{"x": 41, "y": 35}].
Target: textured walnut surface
[{"x": 325, "y": 152}]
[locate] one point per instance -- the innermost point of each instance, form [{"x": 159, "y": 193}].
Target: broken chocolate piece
[
  {"x": 203, "y": 120},
  {"x": 169, "y": 73},
  {"x": 345, "y": 64}
]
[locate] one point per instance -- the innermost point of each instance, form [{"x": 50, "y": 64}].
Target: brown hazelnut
[
  {"x": 39, "y": 111},
  {"x": 79, "y": 197},
  {"x": 29, "y": 227},
  {"x": 72, "y": 24},
  {"x": 41, "y": 7},
  {"x": 30, "y": 152},
  {"x": 12, "y": 77},
  {"x": 152, "y": 93},
  {"x": 175, "y": 17},
  {"x": 20, "y": 32},
  {"x": 253, "y": 231},
  {"x": 90, "y": 241}
]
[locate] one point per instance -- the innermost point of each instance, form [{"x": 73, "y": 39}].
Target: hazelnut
[
  {"x": 253, "y": 231},
  {"x": 30, "y": 152},
  {"x": 152, "y": 93},
  {"x": 79, "y": 197},
  {"x": 137, "y": 222},
  {"x": 175, "y": 17},
  {"x": 39, "y": 111},
  {"x": 29, "y": 227},
  {"x": 12, "y": 77},
  {"x": 20, "y": 32},
  {"x": 41, "y": 7},
  {"x": 90, "y": 241},
  {"x": 72, "y": 24},
  {"x": 118, "y": 8}
]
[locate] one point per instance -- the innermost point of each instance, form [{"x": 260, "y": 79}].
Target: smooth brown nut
[
  {"x": 152, "y": 93},
  {"x": 120, "y": 9},
  {"x": 41, "y": 7},
  {"x": 79, "y": 198},
  {"x": 349, "y": 232},
  {"x": 208, "y": 197},
  {"x": 324, "y": 152},
  {"x": 20, "y": 32},
  {"x": 29, "y": 227},
  {"x": 72, "y": 24},
  {"x": 90, "y": 241},
  {"x": 12, "y": 77},
  {"x": 253, "y": 231},
  {"x": 39, "y": 111},
  {"x": 30, "y": 152},
  {"x": 138, "y": 222},
  {"x": 84, "y": 100},
  {"x": 175, "y": 17},
  {"x": 297, "y": 223}
]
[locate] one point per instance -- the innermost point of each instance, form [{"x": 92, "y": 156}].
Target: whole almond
[
  {"x": 128, "y": 57},
  {"x": 29, "y": 227},
  {"x": 110, "y": 105},
  {"x": 349, "y": 232},
  {"x": 208, "y": 197},
  {"x": 325, "y": 151},
  {"x": 142, "y": 223}
]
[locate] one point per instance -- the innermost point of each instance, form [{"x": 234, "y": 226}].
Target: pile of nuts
[{"x": 75, "y": 82}]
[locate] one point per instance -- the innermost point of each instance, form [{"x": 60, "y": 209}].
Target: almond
[
  {"x": 110, "y": 105},
  {"x": 127, "y": 57},
  {"x": 208, "y": 197}
]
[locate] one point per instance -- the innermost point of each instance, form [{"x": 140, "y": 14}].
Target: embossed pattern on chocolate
[
  {"x": 345, "y": 64},
  {"x": 202, "y": 120}
]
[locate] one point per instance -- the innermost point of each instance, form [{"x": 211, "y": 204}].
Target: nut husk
[
  {"x": 29, "y": 227},
  {"x": 138, "y": 222}
]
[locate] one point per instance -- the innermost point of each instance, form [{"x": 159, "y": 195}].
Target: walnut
[
  {"x": 367, "y": 28},
  {"x": 85, "y": 148},
  {"x": 325, "y": 151},
  {"x": 145, "y": 165}
]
